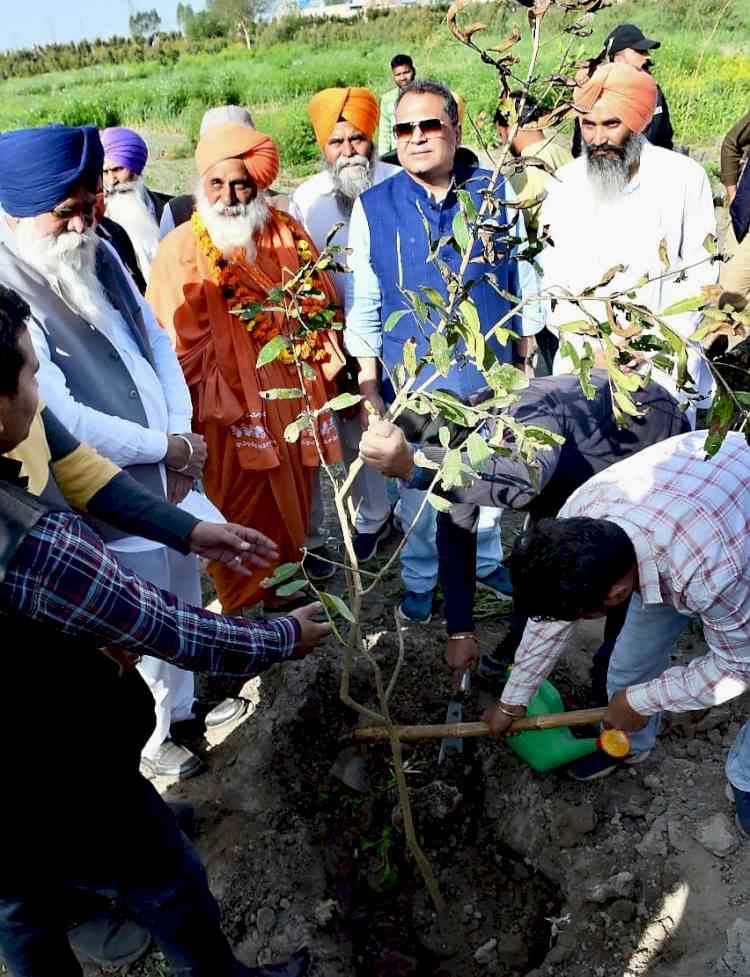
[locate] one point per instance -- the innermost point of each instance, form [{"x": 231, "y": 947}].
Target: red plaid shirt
[{"x": 688, "y": 520}]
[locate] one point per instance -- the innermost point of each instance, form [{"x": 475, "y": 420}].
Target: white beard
[
  {"x": 232, "y": 228},
  {"x": 128, "y": 206},
  {"x": 68, "y": 263}
]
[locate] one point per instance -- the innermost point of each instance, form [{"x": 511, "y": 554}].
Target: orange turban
[
  {"x": 626, "y": 92},
  {"x": 231, "y": 141},
  {"x": 356, "y": 105}
]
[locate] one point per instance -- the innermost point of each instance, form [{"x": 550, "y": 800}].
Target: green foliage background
[{"x": 703, "y": 66}]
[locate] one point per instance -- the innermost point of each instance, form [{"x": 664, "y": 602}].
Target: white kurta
[{"x": 668, "y": 200}]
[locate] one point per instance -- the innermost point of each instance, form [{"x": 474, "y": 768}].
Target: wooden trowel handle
[{"x": 579, "y": 717}]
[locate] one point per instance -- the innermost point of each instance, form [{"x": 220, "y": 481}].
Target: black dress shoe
[{"x": 296, "y": 966}]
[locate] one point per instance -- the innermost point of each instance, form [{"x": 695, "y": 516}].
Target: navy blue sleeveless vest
[{"x": 393, "y": 209}]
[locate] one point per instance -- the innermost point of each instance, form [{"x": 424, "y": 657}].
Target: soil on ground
[{"x": 639, "y": 873}]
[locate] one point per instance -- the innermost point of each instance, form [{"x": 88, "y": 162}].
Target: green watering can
[{"x": 545, "y": 749}]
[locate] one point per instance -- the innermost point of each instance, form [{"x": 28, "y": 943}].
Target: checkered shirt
[
  {"x": 64, "y": 575},
  {"x": 688, "y": 519}
]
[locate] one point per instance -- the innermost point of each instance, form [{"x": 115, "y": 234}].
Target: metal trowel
[
  {"x": 455, "y": 714},
  {"x": 350, "y": 767}
]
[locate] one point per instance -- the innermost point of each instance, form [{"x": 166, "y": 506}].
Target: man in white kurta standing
[
  {"x": 626, "y": 202},
  {"x": 108, "y": 371},
  {"x": 345, "y": 121}
]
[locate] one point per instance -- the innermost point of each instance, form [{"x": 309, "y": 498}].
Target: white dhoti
[{"x": 173, "y": 688}]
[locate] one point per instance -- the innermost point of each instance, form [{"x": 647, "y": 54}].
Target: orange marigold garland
[{"x": 315, "y": 311}]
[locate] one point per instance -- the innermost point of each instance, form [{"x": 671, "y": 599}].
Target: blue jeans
[
  {"x": 160, "y": 883},
  {"x": 642, "y": 653},
  {"x": 419, "y": 557}
]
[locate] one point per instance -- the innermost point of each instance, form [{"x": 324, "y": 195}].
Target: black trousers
[{"x": 153, "y": 875}]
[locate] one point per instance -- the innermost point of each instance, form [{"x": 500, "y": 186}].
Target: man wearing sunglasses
[{"x": 390, "y": 256}]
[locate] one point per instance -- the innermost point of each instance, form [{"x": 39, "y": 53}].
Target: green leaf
[
  {"x": 686, "y": 305},
  {"x": 336, "y": 606},
  {"x": 452, "y": 470},
  {"x": 467, "y": 205},
  {"x": 626, "y": 404},
  {"x": 461, "y": 231},
  {"x": 478, "y": 450},
  {"x": 287, "y": 589},
  {"x": 410, "y": 357},
  {"x": 451, "y": 408},
  {"x": 444, "y": 435},
  {"x": 422, "y": 461},
  {"x": 470, "y": 316},
  {"x": 504, "y": 378},
  {"x": 711, "y": 244},
  {"x": 282, "y": 393},
  {"x": 432, "y": 295},
  {"x": 280, "y": 574},
  {"x": 292, "y": 431},
  {"x": 394, "y": 318},
  {"x": 271, "y": 351},
  {"x": 441, "y": 356},
  {"x": 342, "y": 401},
  {"x": 439, "y": 503}
]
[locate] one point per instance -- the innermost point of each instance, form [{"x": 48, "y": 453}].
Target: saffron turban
[
  {"x": 124, "y": 147},
  {"x": 40, "y": 167},
  {"x": 356, "y": 105},
  {"x": 626, "y": 92},
  {"x": 259, "y": 152}
]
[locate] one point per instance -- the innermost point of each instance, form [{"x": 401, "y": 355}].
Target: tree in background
[
  {"x": 185, "y": 15},
  {"x": 144, "y": 23},
  {"x": 240, "y": 15}
]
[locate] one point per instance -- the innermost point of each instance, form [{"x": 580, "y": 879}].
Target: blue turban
[{"x": 39, "y": 167}]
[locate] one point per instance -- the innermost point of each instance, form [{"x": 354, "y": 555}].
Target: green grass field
[{"x": 703, "y": 66}]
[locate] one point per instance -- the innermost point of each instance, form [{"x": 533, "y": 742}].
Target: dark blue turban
[{"x": 39, "y": 167}]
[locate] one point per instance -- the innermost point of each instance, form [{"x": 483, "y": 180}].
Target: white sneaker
[{"x": 171, "y": 760}]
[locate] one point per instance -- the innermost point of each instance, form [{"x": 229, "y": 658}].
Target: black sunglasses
[{"x": 428, "y": 127}]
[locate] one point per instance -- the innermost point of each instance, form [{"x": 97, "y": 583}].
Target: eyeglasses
[{"x": 428, "y": 127}]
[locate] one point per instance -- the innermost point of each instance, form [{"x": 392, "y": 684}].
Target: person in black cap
[{"x": 628, "y": 44}]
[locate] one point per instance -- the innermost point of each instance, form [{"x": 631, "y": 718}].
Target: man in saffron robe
[{"x": 233, "y": 253}]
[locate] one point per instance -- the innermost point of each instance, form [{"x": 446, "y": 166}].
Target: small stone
[
  {"x": 284, "y": 904},
  {"x": 618, "y": 886},
  {"x": 266, "y": 919},
  {"x": 678, "y": 837},
  {"x": 324, "y": 912},
  {"x": 717, "y": 835},
  {"x": 654, "y": 842},
  {"x": 736, "y": 960},
  {"x": 651, "y": 781},
  {"x": 487, "y": 953}
]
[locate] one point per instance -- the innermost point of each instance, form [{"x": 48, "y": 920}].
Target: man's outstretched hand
[
  {"x": 312, "y": 633},
  {"x": 236, "y": 546},
  {"x": 384, "y": 448}
]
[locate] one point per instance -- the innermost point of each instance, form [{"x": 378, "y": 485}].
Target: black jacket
[{"x": 160, "y": 201}]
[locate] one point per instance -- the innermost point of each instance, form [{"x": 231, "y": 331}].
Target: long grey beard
[
  {"x": 609, "y": 177},
  {"x": 68, "y": 263},
  {"x": 127, "y": 205},
  {"x": 235, "y": 226},
  {"x": 350, "y": 177}
]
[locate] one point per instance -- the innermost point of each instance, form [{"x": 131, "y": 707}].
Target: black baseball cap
[{"x": 628, "y": 35}]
